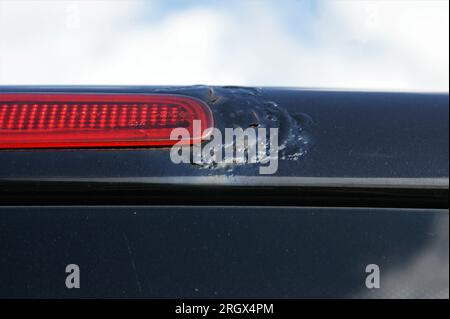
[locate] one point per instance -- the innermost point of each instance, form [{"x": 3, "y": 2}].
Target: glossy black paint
[
  {"x": 343, "y": 149},
  {"x": 348, "y": 134},
  {"x": 222, "y": 252}
]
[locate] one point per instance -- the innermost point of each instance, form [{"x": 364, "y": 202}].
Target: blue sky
[{"x": 395, "y": 45}]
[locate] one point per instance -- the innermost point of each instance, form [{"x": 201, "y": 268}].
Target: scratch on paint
[{"x": 133, "y": 264}]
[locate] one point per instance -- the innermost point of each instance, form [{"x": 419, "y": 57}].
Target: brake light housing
[{"x": 60, "y": 120}]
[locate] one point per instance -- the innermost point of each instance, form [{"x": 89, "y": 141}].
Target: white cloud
[{"x": 357, "y": 44}]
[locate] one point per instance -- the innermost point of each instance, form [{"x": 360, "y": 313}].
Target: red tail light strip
[{"x": 97, "y": 120}]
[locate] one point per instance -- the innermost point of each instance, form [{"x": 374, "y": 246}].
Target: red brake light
[{"x": 57, "y": 120}]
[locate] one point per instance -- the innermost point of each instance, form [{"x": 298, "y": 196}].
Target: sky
[{"x": 375, "y": 45}]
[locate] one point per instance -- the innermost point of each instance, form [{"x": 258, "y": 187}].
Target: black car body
[{"x": 362, "y": 180}]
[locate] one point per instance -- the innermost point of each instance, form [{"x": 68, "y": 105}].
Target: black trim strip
[{"x": 25, "y": 193}]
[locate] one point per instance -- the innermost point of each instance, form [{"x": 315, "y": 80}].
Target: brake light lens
[{"x": 36, "y": 120}]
